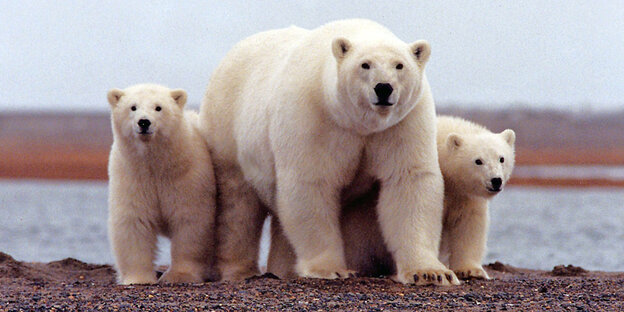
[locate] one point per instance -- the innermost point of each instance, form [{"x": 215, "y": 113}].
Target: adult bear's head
[{"x": 379, "y": 80}]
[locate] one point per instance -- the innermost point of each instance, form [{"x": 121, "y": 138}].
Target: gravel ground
[{"x": 73, "y": 285}]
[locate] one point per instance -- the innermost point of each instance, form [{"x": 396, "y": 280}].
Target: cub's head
[
  {"x": 146, "y": 111},
  {"x": 479, "y": 164},
  {"x": 378, "y": 81}
]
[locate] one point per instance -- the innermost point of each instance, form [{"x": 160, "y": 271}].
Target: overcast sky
[{"x": 65, "y": 55}]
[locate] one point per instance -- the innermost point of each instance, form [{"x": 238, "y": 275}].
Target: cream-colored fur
[
  {"x": 468, "y": 188},
  {"x": 291, "y": 119},
  {"x": 160, "y": 182}
]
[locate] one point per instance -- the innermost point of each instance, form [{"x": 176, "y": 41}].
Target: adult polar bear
[{"x": 297, "y": 119}]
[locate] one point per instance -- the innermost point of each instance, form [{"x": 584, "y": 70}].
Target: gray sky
[{"x": 558, "y": 54}]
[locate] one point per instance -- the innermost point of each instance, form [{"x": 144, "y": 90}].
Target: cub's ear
[
  {"x": 509, "y": 136},
  {"x": 340, "y": 48},
  {"x": 454, "y": 141},
  {"x": 421, "y": 51},
  {"x": 114, "y": 95},
  {"x": 179, "y": 96}
]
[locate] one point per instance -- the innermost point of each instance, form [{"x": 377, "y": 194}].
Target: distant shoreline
[{"x": 75, "y": 146}]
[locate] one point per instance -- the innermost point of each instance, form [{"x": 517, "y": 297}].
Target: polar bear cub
[
  {"x": 160, "y": 182},
  {"x": 476, "y": 164},
  {"x": 295, "y": 118}
]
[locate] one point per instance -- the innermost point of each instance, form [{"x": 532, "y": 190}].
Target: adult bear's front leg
[
  {"x": 410, "y": 215},
  {"x": 410, "y": 206},
  {"x": 309, "y": 211}
]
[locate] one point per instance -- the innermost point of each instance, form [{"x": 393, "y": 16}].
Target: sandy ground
[{"x": 73, "y": 285}]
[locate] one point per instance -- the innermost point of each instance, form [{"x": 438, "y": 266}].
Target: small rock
[{"x": 569, "y": 270}]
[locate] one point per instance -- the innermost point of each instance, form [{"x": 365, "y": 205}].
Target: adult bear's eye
[
  {"x": 399, "y": 66},
  {"x": 133, "y": 108},
  {"x": 478, "y": 162},
  {"x": 502, "y": 160},
  {"x": 365, "y": 66},
  {"x": 158, "y": 108}
]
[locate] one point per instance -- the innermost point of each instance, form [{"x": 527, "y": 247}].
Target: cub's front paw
[
  {"x": 439, "y": 277},
  {"x": 472, "y": 272},
  {"x": 179, "y": 277}
]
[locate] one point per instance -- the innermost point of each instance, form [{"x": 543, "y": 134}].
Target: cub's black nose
[
  {"x": 144, "y": 124},
  {"x": 496, "y": 183},
  {"x": 383, "y": 91}
]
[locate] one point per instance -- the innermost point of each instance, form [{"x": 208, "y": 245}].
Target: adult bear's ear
[
  {"x": 454, "y": 141},
  {"x": 179, "y": 96},
  {"x": 509, "y": 136},
  {"x": 114, "y": 95},
  {"x": 340, "y": 48},
  {"x": 421, "y": 51}
]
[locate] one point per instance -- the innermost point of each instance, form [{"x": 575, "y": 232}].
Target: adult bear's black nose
[
  {"x": 383, "y": 91},
  {"x": 144, "y": 124},
  {"x": 496, "y": 183}
]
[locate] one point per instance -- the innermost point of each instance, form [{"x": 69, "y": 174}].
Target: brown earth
[{"x": 73, "y": 285}]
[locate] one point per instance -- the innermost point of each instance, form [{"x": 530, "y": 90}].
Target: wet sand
[{"x": 73, "y": 285}]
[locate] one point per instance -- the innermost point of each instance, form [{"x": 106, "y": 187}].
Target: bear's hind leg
[
  {"x": 191, "y": 250},
  {"x": 240, "y": 216}
]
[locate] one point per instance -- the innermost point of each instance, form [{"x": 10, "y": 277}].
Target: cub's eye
[
  {"x": 158, "y": 108},
  {"x": 478, "y": 162},
  {"x": 399, "y": 66},
  {"x": 365, "y": 66},
  {"x": 133, "y": 108},
  {"x": 502, "y": 160}
]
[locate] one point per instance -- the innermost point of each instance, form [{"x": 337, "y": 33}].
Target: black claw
[
  {"x": 338, "y": 275},
  {"x": 449, "y": 277},
  {"x": 424, "y": 276},
  {"x": 353, "y": 274},
  {"x": 439, "y": 278},
  {"x": 415, "y": 278}
]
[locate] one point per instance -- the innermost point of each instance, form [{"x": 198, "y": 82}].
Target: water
[{"x": 530, "y": 227}]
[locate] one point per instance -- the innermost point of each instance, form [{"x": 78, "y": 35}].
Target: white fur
[
  {"x": 291, "y": 119},
  {"x": 468, "y": 188},
  {"x": 160, "y": 182},
  {"x": 463, "y": 244}
]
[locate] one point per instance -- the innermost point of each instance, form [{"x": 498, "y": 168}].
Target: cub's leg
[
  {"x": 466, "y": 231},
  {"x": 133, "y": 242}
]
